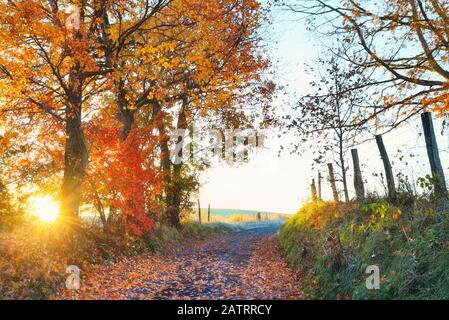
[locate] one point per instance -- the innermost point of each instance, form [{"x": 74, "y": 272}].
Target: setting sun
[{"x": 45, "y": 208}]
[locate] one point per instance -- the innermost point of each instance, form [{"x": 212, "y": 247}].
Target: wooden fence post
[
  {"x": 199, "y": 211},
  {"x": 358, "y": 179},
  {"x": 314, "y": 192},
  {"x": 320, "y": 198},
  {"x": 332, "y": 182},
  {"x": 387, "y": 166},
  {"x": 208, "y": 213},
  {"x": 434, "y": 155}
]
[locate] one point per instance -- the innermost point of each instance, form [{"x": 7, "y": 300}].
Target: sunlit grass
[{"x": 236, "y": 218}]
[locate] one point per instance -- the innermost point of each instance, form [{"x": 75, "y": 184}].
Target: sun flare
[{"x": 45, "y": 208}]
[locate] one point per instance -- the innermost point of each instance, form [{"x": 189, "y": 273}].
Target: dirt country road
[{"x": 243, "y": 265}]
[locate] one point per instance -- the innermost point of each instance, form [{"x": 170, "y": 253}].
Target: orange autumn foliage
[
  {"x": 62, "y": 90},
  {"x": 123, "y": 177}
]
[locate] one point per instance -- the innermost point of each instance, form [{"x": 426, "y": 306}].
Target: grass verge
[{"x": 332, "y": 246}]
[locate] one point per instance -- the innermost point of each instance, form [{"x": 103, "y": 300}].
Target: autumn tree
[
  {"x": 85, "y": 98},
  {"x": 221, "y": 75},
  {"x": 124, "y": 187},
  {"x": 53, "y": 70},
  {"x": 49, "y": 76},
  {"x": 5, "y": 205},
  {"x": 123, "y": 179},
  {"x": 330, "y": 117},
  {"x": 6, "y": 210},
  {"x": 405, "y": 45},
  {"x": 191, "y": 65}
]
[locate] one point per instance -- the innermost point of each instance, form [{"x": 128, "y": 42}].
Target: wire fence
[{"x": 407, "y": 150}]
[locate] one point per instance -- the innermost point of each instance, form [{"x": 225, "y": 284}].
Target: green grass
[{"x": 332, "y": 245}]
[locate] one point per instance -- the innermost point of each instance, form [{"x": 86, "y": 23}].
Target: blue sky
[
  {"x": 281, "y": 184},
  {"x": 270, "y": 183}
]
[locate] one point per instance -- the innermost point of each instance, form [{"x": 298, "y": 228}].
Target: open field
[{"x": 236, "y": 216}]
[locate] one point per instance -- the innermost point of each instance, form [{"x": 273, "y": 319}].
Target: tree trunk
[
  {"x": 332, "y": 182},
  {"x": 387, "y": 166},
  {"x": 199, "y": 211},
  {"x": 172, "y": 173},
  {"x": 75, "y": 162},
  {"x": 125, "y": 115},
  {"x": 314, "y": 193},
  {"x": 127, "y": 119},
  {"x": 320, "y": 195},
  {"x": 170, "y": 215},
  {"x": 358, "y": 179},
  {"x": 208, "y": 213},
  {"x": 345, "y": 179},
  {"x": 439, "y": 179},
  {"x": 343, "y": 165},
  {"x": 101, "y": 211},
  {"x": 174, "y": 198},
  {"x": 76, "y": 152},
  {"x": 5, "y": 203}
]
